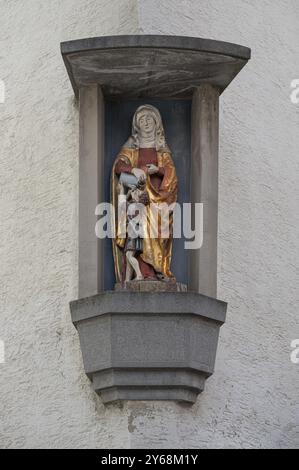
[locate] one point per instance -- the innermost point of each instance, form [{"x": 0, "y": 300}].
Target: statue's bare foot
[
  {"x": 139, "y": 278},
  {"x": 161, "y": 277}
]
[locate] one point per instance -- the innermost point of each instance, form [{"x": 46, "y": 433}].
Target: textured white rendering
[{"x": 45, "y": 398}]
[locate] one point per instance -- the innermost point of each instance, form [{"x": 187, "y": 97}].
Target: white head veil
[{"x": 133, "y": 141}]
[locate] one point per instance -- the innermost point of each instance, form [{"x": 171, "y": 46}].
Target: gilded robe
[{"x": 156, "y": 251}]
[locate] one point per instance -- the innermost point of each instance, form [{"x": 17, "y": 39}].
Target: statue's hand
[
  {"x": 152, "y": 169},
  {"x": 139, "y": 174}
]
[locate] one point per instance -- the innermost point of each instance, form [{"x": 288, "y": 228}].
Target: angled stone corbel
[{"x": 148, "y": 346}]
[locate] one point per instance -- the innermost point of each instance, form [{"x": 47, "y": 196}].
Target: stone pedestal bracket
[{"x": 148, "y": 346}]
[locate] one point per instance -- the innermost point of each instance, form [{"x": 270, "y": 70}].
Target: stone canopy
[{"x": 150, "y": 65}]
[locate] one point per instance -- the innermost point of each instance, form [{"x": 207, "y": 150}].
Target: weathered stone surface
[
  {"x": 163, "y": 66},
  {"x": 204, "y": 187},
  {"x": 148, "y": 346},
  {"x": 151, "y": 286}
]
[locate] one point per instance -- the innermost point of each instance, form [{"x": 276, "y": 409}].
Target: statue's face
[{"x": 147, "y": 125}]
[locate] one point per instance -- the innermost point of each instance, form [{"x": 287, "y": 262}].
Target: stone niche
[{"x": 143, "y": 343}]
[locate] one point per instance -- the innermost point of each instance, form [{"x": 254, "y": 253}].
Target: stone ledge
[
  {"x": 151, "y": 286},
  {"x": 148, "y": 346},
  {"x": 147, "y": 302}
]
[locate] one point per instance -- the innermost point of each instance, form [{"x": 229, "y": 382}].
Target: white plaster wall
[{"x": 45, "y": 398}]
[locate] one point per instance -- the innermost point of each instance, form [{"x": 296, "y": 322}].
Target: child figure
[{"x": 136, "y": 194}]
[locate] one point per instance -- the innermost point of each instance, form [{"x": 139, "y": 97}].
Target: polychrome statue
[{"x": 144, "y": 174}]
